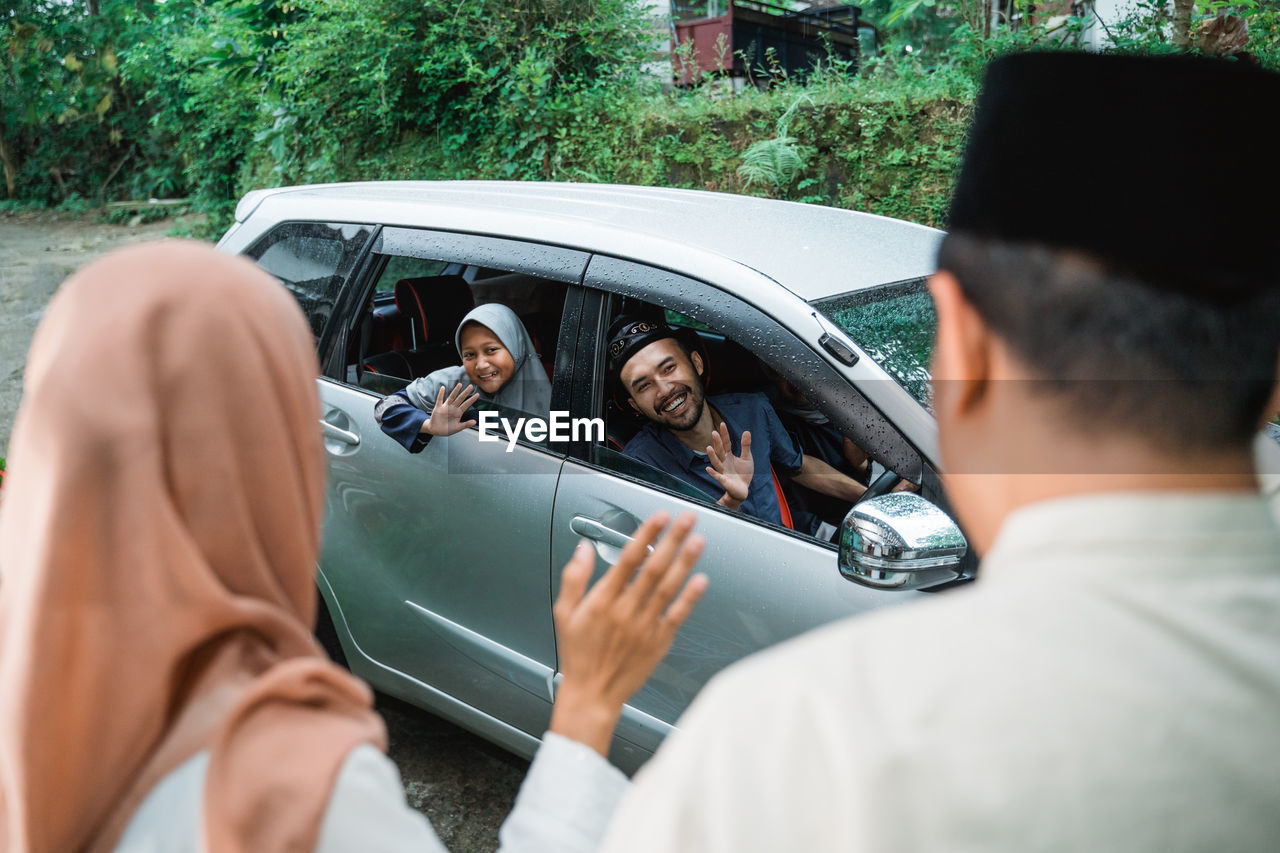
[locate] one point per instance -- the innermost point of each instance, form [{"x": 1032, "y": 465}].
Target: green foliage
[
  {"x": 778, "y": 161},
  {"x": 353, "y": 77},
  {"x": 775, "y": 162},
  {"x": 223, "y": 94},
  {"x": 210, "y": 98},
  {"x": 886, "y": 141},
  {"x": 950, "y": 32},
  {"x": 205, "y": 74},
  {"x": 17, "y": 207},
  {"x": 65, "y": 122}
]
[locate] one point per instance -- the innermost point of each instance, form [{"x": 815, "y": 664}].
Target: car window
[
  {"x": 785, "y": 426},
  {"x": 415, "y": 294},
  {"x": 790, "y": 351},
  {"x": 675, "y": 318},
  {"x": 894, "y": 324},
  {"x": 313, "y": 261},
  {"x": 607, "y": 457},
  {"x": 404, "y": 267},
  {"x": 412, "y": 334}
]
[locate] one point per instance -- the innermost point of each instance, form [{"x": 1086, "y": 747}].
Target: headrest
[{"x": 437, "y": 302}]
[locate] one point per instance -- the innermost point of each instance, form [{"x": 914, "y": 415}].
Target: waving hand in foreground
[{"x": 613, "y": 635}]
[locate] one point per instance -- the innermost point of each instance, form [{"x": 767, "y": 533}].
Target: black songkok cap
[
  {"x": 628, "y": 335},
  {"x": 1163, "y": 168}
]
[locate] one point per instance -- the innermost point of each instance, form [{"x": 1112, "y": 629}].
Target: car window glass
[
  {"x": 607, "y": 457},
  {"x": 312, "y": 260},
  {"x": 895, "y": 325},
  {"x": 675, "y": 318},
  {"x": 401, "y": 267},
  {"x": 731, "y": 369},
  {"x": 406, "y": 327}
]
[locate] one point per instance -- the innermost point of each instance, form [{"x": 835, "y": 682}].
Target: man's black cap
[
  {"x": 629, "y": 334},
  {"x": 1163, "y": 168}
]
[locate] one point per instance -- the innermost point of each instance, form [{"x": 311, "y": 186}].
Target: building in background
[{"x": 752, "y": 40}]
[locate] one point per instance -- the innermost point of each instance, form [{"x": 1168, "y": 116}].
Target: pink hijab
[{"x": 158, "y": 540}]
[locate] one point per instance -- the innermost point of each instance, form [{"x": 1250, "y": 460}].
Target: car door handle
[
  {"x": 590, "y": 528},
  {"x": 338, "y": 433}
]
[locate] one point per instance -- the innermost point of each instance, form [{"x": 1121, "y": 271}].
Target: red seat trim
[{"x": 782, "y": 501}]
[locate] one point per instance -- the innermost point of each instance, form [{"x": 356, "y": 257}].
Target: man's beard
[{"x": 693, "y": 413}]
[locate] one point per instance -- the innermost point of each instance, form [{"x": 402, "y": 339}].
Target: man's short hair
[{"x": 1119, "y": 353}]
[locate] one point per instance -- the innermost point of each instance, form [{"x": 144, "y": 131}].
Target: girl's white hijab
[{"x": 528, "y": 389}]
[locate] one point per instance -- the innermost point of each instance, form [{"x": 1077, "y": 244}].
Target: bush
[
  {"x": 210, "y": 98},
  {"x": 67, "y": 122}
]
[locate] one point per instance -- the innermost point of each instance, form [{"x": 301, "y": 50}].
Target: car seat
[{"x": 434, "y": 306}]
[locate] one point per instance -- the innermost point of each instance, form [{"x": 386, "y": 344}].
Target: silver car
[{"x": 439, "y": 569}]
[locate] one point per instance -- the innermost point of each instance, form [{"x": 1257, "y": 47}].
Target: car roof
[{"x": 813, "y": 251}]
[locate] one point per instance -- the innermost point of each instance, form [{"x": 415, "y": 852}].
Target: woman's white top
[{"x": 563, "y": 806}]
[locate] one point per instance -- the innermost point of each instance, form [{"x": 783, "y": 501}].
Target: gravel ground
[
  {"x": 465, "y": 785},
  {"x": 36, "y": 254}
]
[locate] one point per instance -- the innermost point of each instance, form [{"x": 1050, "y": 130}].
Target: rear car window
[
  {"x": 894, "y": 324},
  {"x": 312, "y": 260}
]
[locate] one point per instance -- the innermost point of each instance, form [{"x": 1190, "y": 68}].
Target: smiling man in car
[
  {"x": 1106, "y": 345},
  {"x": 712, "y": 443}
]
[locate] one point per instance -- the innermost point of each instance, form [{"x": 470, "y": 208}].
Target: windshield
[{"x": 895, "y": 324}]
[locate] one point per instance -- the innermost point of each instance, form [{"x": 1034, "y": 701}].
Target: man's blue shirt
[{"x": 770, "y": 443}]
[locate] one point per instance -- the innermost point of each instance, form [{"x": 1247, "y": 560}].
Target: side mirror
[{"x": 900, "y": 541}]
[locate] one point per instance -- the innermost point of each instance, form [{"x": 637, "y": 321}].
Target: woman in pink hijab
[{"x": 161, "y": 688}]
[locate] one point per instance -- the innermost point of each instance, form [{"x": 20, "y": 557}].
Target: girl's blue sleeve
[{"x": 402, "y": 420}]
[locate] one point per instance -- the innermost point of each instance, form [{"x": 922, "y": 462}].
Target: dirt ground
[
  {"x": 36, "y": 254},
  {"x": 463, "y": 784}
]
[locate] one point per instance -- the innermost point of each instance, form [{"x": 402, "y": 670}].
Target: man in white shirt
[{"x": 1112, "y": 680}]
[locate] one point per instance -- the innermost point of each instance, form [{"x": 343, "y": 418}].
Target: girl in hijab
[
  {"x": 498, "y": 362},
  {"x": 161, "y": 686}
]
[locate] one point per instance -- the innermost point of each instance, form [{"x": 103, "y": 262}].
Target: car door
[
  {"x": 437, "y": 561},
  {"x": 767, "y": 583}
]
